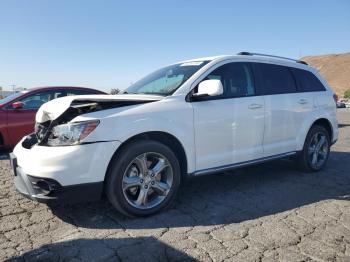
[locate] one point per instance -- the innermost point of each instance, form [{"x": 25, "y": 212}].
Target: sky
[{"x": 110, "y": 44}]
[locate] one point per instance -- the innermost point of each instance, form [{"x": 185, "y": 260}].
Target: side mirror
[
  {"x": 17, "y": 105},
  {"x": 212, "y": 87}
]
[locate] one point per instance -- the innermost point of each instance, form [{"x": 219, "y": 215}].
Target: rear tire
[
  {"x": 315, "y": 151},
  {"x": 143, "y": 178}
]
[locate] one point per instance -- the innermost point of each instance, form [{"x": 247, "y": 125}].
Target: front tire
[
  {"x": 315, "y": 151},
  {"x": 143, "y": 178}
]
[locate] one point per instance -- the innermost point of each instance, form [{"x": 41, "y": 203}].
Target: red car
[{"x": 17, "y": 111}]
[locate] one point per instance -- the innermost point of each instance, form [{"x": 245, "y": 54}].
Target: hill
[{"x": 335, "y": 68}]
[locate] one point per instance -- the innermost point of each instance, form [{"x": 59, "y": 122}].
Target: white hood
[{"x": 54, "y": 108}]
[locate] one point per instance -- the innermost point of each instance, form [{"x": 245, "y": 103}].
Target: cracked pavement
[{"x": 270, "y": 212}]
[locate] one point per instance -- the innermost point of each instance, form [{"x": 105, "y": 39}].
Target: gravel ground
[{"x": 264, "y": 213}]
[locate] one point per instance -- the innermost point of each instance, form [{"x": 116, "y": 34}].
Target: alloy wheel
[
  {"x": 147, "y": 180},
  {"x": 318, "y": 150}
]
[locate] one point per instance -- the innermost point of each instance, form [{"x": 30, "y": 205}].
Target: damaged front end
[{"x": 55, "y": 128}]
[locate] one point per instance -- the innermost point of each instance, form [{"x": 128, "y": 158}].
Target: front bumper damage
[
  {"x": 67, "y": 174},
  {"x": 71, "y": 173},
  {"x": 45, "y": 190}
]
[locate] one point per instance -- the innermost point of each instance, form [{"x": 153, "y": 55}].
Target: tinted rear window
[
  {"x": 277, "y": 79},
  {"x": 307, "y": 81}
]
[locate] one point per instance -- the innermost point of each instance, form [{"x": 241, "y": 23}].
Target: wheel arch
[
  {"x": 163, "y": 137},
  {"x": 5, "y": 140},
  {"x": 324, "y": 122}
]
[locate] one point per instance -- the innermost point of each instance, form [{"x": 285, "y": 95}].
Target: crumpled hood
[{"x": 55, "y": 108}]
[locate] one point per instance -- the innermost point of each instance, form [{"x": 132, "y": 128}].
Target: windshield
[
  {"x": 10, "y": 97},
  {"x": 166, "y": 80}
]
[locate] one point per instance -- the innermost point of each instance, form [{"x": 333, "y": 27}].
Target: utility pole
[{"x": 13, "y": 88}]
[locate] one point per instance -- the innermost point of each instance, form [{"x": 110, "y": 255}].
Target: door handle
[
  {"x": 302, "y": 101},
  {"x": 255, "y": 106}
]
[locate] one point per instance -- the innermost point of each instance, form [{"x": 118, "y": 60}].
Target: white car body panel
[
  {"x": 213, "y": 134},
  {"x": 283, "y": 121},
  {"x": 227, "y": 131},
  {"x": 70, "y": 165},
  {"x": 323, "y": 109},
  {"x": 171, "y": 115},
  {"x": 54, "y": 108}
]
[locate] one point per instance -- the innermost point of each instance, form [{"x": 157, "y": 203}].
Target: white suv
[{"x": 191, "y": 118}]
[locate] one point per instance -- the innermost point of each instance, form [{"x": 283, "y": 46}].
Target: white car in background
[
  {"x": 191, "y": 118},
  {"x": 346, "y": 102}
]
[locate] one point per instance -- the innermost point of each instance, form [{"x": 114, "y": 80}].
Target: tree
[
  {"x": 347, "y": 94},
  {"x": 114, "y": 91}
]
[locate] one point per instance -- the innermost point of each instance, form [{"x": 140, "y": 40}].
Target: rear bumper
[{"x": 29, "y": 187}]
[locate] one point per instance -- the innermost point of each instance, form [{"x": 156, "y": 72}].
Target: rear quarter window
[
  {"x": 277, "y": 79},
  {"x": 307, "y": 81}
]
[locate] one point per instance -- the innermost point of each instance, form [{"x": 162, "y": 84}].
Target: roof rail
[{"x": 274, "y": 56}]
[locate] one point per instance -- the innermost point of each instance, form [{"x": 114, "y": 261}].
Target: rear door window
[
  {"x": 277, "y": 79},
  {"x": 307, "y": 81}
]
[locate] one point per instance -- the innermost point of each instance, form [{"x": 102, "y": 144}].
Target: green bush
[{"x": 347, "y": 94}]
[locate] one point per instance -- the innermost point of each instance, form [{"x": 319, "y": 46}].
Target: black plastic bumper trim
[{"x": 66, "y": 194}]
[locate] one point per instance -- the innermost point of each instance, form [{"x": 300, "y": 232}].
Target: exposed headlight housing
[{"x": 71, "y": 133}]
